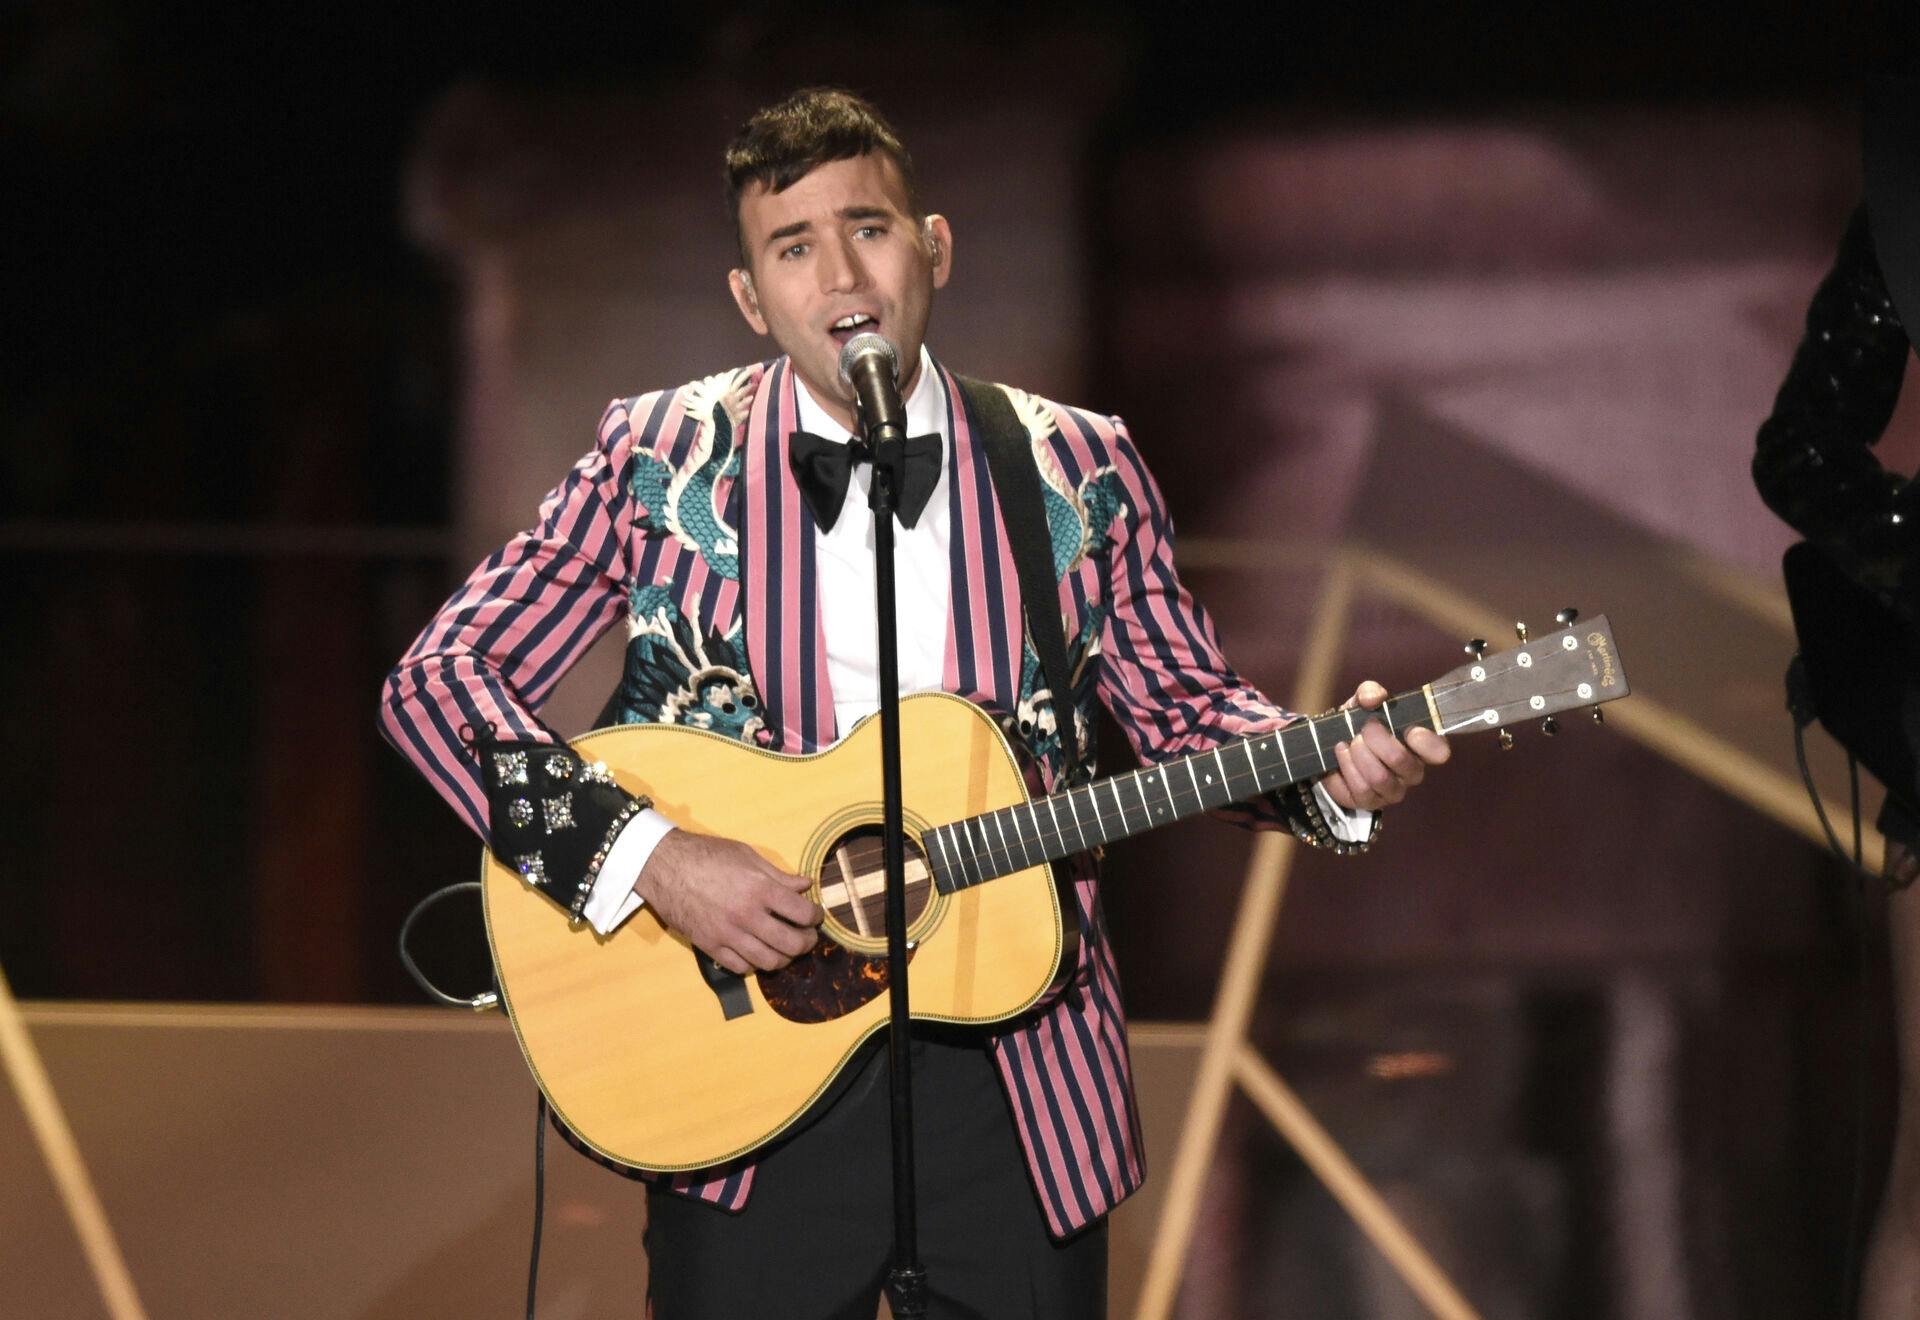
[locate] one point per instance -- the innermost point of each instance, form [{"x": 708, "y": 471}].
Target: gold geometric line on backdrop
[
  {"x": 1321, "y": 1153},
  {"x": 62, "y": 1155}
]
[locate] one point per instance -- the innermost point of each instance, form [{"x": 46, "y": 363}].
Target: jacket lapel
[
  {"x": 984, "y": 633},
  {"x": 778, "y": 598}
]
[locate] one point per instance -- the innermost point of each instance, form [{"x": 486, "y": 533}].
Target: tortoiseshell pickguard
[{"x": 828, "y": 981}]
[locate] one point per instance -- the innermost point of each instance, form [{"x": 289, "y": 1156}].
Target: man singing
[{"x": 748, "y": 598}]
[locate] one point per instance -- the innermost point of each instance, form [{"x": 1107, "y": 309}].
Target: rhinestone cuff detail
[{"x": 599, "y": 858}]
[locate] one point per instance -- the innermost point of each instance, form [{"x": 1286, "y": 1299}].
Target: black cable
[
  {"x": 1857, "y": 1199},
  {"x": 1820, "y": 811},
  {"x": 486, "y": 999},
  {"x": 1853, "y": 792},
  {"x": 539, "y": 1192},
  {"x": 1800, "y": 705}
]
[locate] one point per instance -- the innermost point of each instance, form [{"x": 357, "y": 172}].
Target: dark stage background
[{"x": 309, "y": 307}]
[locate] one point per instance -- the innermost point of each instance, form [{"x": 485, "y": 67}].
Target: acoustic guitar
[{"x": 655, "y": 1067}]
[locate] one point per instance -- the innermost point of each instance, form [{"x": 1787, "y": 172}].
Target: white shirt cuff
[
  {"x": 612, "y": 900},
  {"x": 1347, "y": 826}
]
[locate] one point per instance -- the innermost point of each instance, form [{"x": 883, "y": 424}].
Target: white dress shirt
[{"x": 849, "y": 619}]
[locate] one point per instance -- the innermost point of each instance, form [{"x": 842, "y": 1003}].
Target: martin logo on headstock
[{"x": 1603, "y": 652}]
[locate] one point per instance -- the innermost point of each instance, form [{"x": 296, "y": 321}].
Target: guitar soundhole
[
  {"x": 831, "y": 980},
  {"x": 853, "y": 883}
]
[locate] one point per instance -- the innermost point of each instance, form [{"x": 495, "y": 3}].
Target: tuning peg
[
  {"x": 1477, "y": 648},
  {"x": 1566, "y": 617},
  {"x": 1548, "y": 725},
  {"x": 1520, "y": 631},
  {"x": 1599, "y": 715},
  {"x": 1506, "y": 741}
]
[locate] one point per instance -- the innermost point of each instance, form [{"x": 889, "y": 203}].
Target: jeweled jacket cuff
[
  {"x": 1309, "y": 824},
  {"x": 553, "y": 816}
]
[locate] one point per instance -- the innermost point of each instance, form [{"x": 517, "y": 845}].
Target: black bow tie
[{"x": 823, "y": 467}]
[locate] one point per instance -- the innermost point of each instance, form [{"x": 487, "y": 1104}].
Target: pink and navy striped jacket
[{"x": 739, "y": 577}]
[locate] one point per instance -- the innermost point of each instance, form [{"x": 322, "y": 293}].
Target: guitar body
[{"x": 631, "y": 1044}]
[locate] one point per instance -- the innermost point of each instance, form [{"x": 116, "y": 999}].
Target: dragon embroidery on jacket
[
  {"x": 1079, "y": 521},
  {"x": 680, "y": 501},
  {"x": 675, "y": 677},
  {"x": 1035, "y": 722}
]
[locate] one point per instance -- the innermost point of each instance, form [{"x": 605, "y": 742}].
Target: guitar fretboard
[{"x": 972, "y": 851}]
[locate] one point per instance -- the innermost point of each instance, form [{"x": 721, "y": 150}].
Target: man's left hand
[{"x": 1377, "y": 769}]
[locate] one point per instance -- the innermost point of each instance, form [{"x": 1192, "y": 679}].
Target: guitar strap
[{"x": 1016, "y": 481}]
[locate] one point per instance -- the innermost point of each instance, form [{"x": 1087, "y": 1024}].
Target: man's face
[{"x": 836, "y": 255}]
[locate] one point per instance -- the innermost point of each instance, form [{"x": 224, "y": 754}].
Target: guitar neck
[{"x": 972, "y": 851}]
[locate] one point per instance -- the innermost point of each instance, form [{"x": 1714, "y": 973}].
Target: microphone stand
[{"x": 907, "y": 1279}]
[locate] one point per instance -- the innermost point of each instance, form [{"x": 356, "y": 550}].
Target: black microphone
[{"x": 870, "y": 366}]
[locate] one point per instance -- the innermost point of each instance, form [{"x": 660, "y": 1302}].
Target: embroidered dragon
[
  {"x": 1079, "y": 521},
  {"x": 673, "y": 676},
  {"x": 680, "y": 501},
  {"x": 1035, "y": 721}
]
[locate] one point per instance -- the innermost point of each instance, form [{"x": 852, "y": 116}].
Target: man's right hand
[{"x": 747, "y": 914}]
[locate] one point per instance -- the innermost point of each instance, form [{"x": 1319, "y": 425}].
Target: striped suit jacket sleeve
[
  {"x": 493, "y": 653},
  {"x": 1163, "y": 675}
]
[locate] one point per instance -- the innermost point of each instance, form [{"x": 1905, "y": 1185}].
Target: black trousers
[{"x": 815, "y": 1239}]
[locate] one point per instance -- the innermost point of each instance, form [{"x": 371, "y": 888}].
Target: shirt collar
[{"x": 926, "y": 411}]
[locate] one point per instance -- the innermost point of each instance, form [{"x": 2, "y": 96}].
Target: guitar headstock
[{"x": 1575, "y": 667}]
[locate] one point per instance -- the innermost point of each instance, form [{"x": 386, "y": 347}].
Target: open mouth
[{"x": 854, "y": 323}]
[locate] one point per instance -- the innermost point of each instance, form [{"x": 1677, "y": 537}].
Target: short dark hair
[{"x": 782, "y": 143}]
